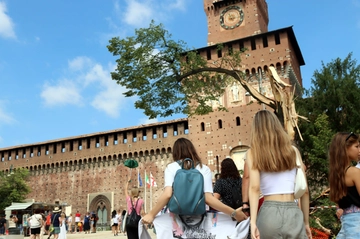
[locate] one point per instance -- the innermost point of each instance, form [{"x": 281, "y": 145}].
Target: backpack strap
[{"x": 132, "y": 204}]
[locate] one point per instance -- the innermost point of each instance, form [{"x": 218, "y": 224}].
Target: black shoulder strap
[
  {"x": 132, "y": 204},
  {"x": 347, "y": 168}
]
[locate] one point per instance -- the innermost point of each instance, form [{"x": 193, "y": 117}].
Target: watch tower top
[{"x": 235, "y": 19}]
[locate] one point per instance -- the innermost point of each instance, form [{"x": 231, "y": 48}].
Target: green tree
[
  {"x": 335, "y": 91},
  {"x": 316, "y": 148},
  {"x": 168, "y": 77},
  {"x": 13, "y": 187}
]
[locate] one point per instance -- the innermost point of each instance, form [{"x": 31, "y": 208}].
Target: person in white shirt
[
  {"x": 36, "y": 222},
  {"x": 182, "y": 149}
]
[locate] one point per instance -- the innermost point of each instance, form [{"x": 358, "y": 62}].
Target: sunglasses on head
[{"x": 348, "y": 137}]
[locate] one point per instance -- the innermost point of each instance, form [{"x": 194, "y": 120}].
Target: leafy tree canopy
[
  {"x": 335, "y": 91},
  {"x": 168, "y": 77},
  {"x": 13, "y": 187}
]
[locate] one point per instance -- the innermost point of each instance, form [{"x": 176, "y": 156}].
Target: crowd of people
[{"x": 55, "y": 224}]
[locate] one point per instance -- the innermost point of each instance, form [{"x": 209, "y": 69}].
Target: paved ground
[{"x": 100, "y": 235}]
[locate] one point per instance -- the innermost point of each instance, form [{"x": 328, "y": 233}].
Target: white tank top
[{"x": 277, "y": 182}]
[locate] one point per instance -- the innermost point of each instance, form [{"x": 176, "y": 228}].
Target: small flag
[
  {"x": 147, "y": 181},
  {"x": 140, "y": 181},
  {"x": 152, "y": 179}
]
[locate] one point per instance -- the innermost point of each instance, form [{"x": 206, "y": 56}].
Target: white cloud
[
  {"x": 110, "y": 101},
  {"x": 6, "y": 24},
  {"x": 178, "y": 5},
  {"x": 91, "y": 81},
  {"x": 64, "y": 93},
  {"x": 147, "y": 121},
  {"x": 79, "y": 63},
  {"x": 137, "y": 14},
  {"x": 5, "y": 117}
]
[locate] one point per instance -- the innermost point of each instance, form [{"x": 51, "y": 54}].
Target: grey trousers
[{"x": 280, "y": 220}]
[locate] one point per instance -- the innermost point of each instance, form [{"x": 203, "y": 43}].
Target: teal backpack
[{"x": 188, "y": 191}]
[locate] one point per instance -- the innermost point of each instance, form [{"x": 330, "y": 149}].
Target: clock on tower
[{"x": 233, "y": 19}]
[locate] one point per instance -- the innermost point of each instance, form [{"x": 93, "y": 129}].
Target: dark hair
[
  {"x": 113, "y": 214},
  {"x": 183, "y": 148},
  {"x": 338, "y": 162},
  {"x": 229, "y": 169}
]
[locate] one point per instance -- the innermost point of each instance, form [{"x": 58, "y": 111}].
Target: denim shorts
[
  {"x": 350, "y": 228},
  {"x": 278, "y": 220}
]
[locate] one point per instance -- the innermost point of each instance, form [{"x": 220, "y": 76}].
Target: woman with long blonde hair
[
  {"x": 134, "y": 202},
  {"x": 272, "y": 165},
  {"x": 344, "y": 182}
]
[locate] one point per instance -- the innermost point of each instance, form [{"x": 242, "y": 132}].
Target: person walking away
[
  {"x": 272, "y": 159},
  {"x": 62, "y": 220},
  {"x": 70, "y": 223},
  {"x": 183, "y": 149},
  {"x": 228, "y": 187},
  {"x": 36, "y": 223},
  {"x": 123, "y": 222},
  {"x": 120, "y": 221},
  {"x": 2, "y": 225},
  {"x": 134, "y": 202},
  {"x": 13, "y": 230},
  {"x": 47, "y": 223},
  {"x": 344, "y": 180},
  {"x": 77, "y": 220},
  {"x": 55, "y": 220},
  {"x": 114, "y": 222},
  {"x": 87, "y": 223}
]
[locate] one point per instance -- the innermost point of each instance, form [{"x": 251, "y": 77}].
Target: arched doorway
[
  {"x": 102, "y": 206},
  {"x": 238, "y": 154}
]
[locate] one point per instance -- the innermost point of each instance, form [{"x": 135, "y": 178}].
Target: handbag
[
  {"x": 300, "y": 178},
  {"x": 133, "y": 219},
  {"x": 51, "y": 228}
]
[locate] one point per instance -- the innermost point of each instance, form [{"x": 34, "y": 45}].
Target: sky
[{"x": 55, "y": 68}]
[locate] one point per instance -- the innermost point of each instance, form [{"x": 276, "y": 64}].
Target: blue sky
[{"x": 54, "y": 64}]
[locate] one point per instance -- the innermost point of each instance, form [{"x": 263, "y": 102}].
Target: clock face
[{"x": 231, "y": 17}]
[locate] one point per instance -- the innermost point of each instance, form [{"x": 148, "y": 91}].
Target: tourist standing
[
  {"x": 229, "y": 182},
  {"x": 36, "y": 222},
  {"x": 70, "y": 223},
  {"x": 62, "y": 220},
  {"x": 133, "y": 201},
  {"x": 77, "y": 220},
  {"x": 344, "y": 180},
  {"x": 2, "y": 225},
  {"x": 272, "y": 164},
  {"x": 55, "y": 220},
  {"x": 114, "y": 222},
  {"x": 87, "y": 223},
  {"x": 182, "y": 149}
]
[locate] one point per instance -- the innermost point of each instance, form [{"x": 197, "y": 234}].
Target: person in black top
[
  {"x": 2, "y": 224},
  {"x": 228, "y": 187},
  {"x": 56, "y": 222},
  {"x": 344, "y": 180}
]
